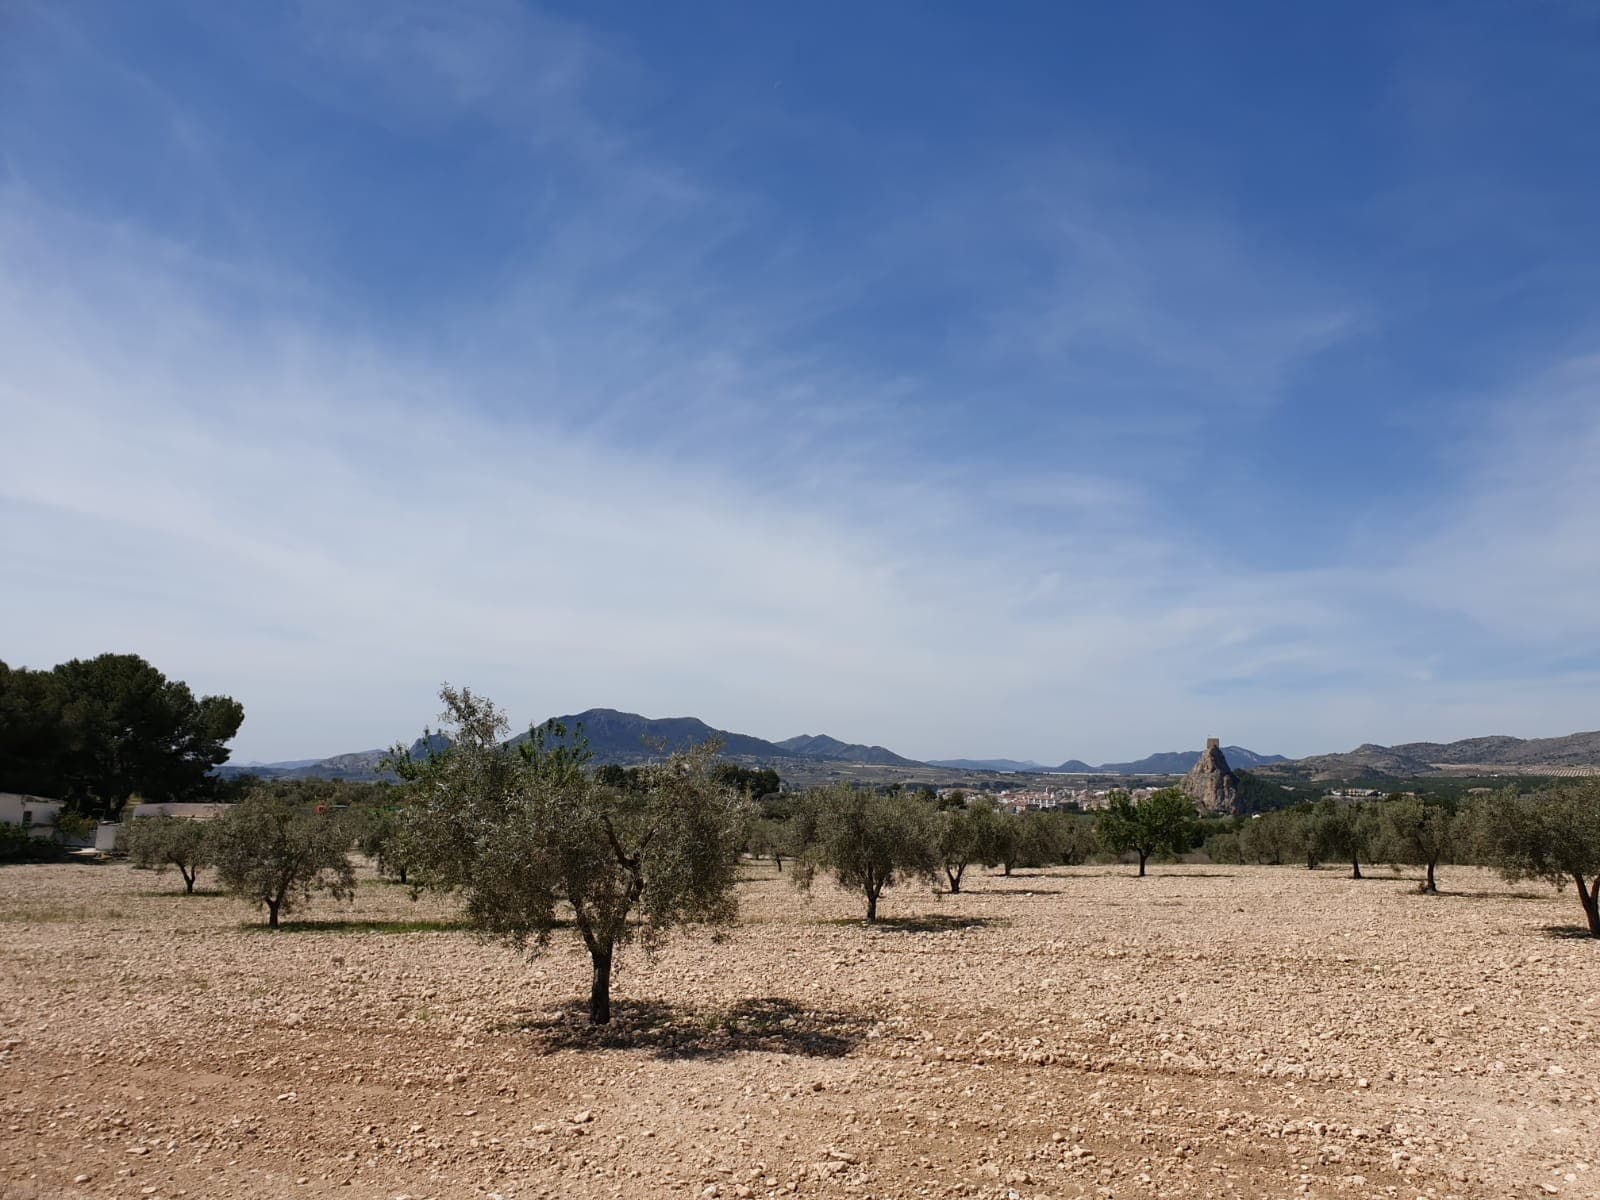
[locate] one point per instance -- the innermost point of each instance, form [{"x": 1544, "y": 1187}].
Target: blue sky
[{"x": 1029, "y": 381}]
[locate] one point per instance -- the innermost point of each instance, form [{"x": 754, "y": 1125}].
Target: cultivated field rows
[{"x": 1073, "y": 1032}]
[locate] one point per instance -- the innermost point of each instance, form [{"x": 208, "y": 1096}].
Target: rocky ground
[{"x": 1208, "y": 1031}]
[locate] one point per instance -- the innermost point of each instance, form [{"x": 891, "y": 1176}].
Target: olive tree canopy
[
  {"x": 1163, "y": 821},
  {"x": 868, "y": 840},
  {"x": 1417, "y": 832},
  {"x": 275, "y": 852},
  {"x": 965, "y": 836},
  {"x": 1553, "y": 834},
  {"x": 527, "y": 835},
  {"x": 1346, "y": 831},
  {"x": 157, "y": 843}
]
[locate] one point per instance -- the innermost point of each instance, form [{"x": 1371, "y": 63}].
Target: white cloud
[
  {"x": 327, "y": 527},
  {"x": 287, "y": 515},
  {"x": 1517, "y": 552},
  {"x": 619, "y": 476}
]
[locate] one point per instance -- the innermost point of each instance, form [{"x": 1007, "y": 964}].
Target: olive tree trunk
[
  {"x": 600, "y": 986},
  {"x": 1143, "y": 854},
  {"x": 1589, "y": 897}
]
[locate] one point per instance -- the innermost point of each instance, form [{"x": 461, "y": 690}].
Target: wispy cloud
[{"x": 928, "y": 480}]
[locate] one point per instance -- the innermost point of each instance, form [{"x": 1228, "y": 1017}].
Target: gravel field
[{"x": 1077, "y": 1032}]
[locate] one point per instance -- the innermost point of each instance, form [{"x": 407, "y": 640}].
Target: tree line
[
  {"x": 536, "y": 841},
  {"x": 94, "y": 731},
  {"x": 1552, "y": 833}
]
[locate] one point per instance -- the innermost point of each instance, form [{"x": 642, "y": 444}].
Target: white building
[{"x": 34, "y": 813}]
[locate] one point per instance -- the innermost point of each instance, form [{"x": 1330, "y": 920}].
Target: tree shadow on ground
[
  {"x": 420, "y": 925},
  {"x": 934, "y": 923},
  {"x": 770, "y": 1024},
  {"x": 924, "y": 923},
  {"x": 994, "y": 891},
  {"x": 179, "y": 894},
  {"x": 1416, "y": 889},
  {"x": 1156, "y": 871},
  {"x": 1575, "y": 933}
]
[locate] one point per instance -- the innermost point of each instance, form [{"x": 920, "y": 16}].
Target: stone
[{"x": 1211, "y": 783}]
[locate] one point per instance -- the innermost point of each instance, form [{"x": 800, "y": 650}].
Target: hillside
[
  {"x": 619, "y": 737},
  {"x": 627, "y": 738},
  {"x": 833, "y": 750},
  {"x": 988, "y": 764},
  {"x": 1573, "y": 750},
  {"x": 360, "y": 766},
  {"x": 1493, "y": 753},
  {"x": 613, "y": 737}
]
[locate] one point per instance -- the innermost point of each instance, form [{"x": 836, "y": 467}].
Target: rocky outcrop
[{"x": 1211, "y": 783}]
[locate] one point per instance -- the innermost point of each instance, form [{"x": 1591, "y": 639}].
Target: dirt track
[{"x": 1206, "y": 1031}]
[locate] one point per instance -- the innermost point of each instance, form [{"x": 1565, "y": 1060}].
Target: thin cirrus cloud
[{"x": 993, "y": 476}]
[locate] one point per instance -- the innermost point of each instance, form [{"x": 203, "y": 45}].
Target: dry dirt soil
[{"x": 1208, "y": 1031}]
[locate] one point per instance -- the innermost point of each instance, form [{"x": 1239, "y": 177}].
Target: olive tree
[
  {"x": 157, "y": 843},
  {"x": 868, "y": 840},
  {"x": 1034, "y": 842},
  {"x": 1073, "y": 840},
  {"x": 275, "y": 852},
  {"x": 382, "y": 838},
  {"x": 1305, "y": 833},
  {"x": 1417, "y": 832},
  {"x": 964, "y": 836},
  {"x": 1298, "y": 834},
  {"x": 1001, "y": 841},
  {"x": 1162, "y": 822},
  {"x": 1222, "y": 847},
  {"x": 526, "y": 835},
  {"x": 1346, "y": 831},
  {"x": 768, "y": 837},
  {"x": 1553, "y": 834},
  {"x": 1261, "y": 840}
]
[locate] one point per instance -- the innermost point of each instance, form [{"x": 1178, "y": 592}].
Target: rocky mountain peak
[{"x": 1211, "y": 783}]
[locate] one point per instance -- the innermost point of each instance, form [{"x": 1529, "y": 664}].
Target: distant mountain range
[
  {"x": 1427, "y": 758},
  {"x": 988, "y": 764},
  {"x": 628, "y": 738},
  {"x": 625, "y": 738},
  {"x": 362, "y": 766},
  {"x": 613, "y": 737},
  {"x": 833, "y": 750},
  {"x": 1176, "y": 762}
]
